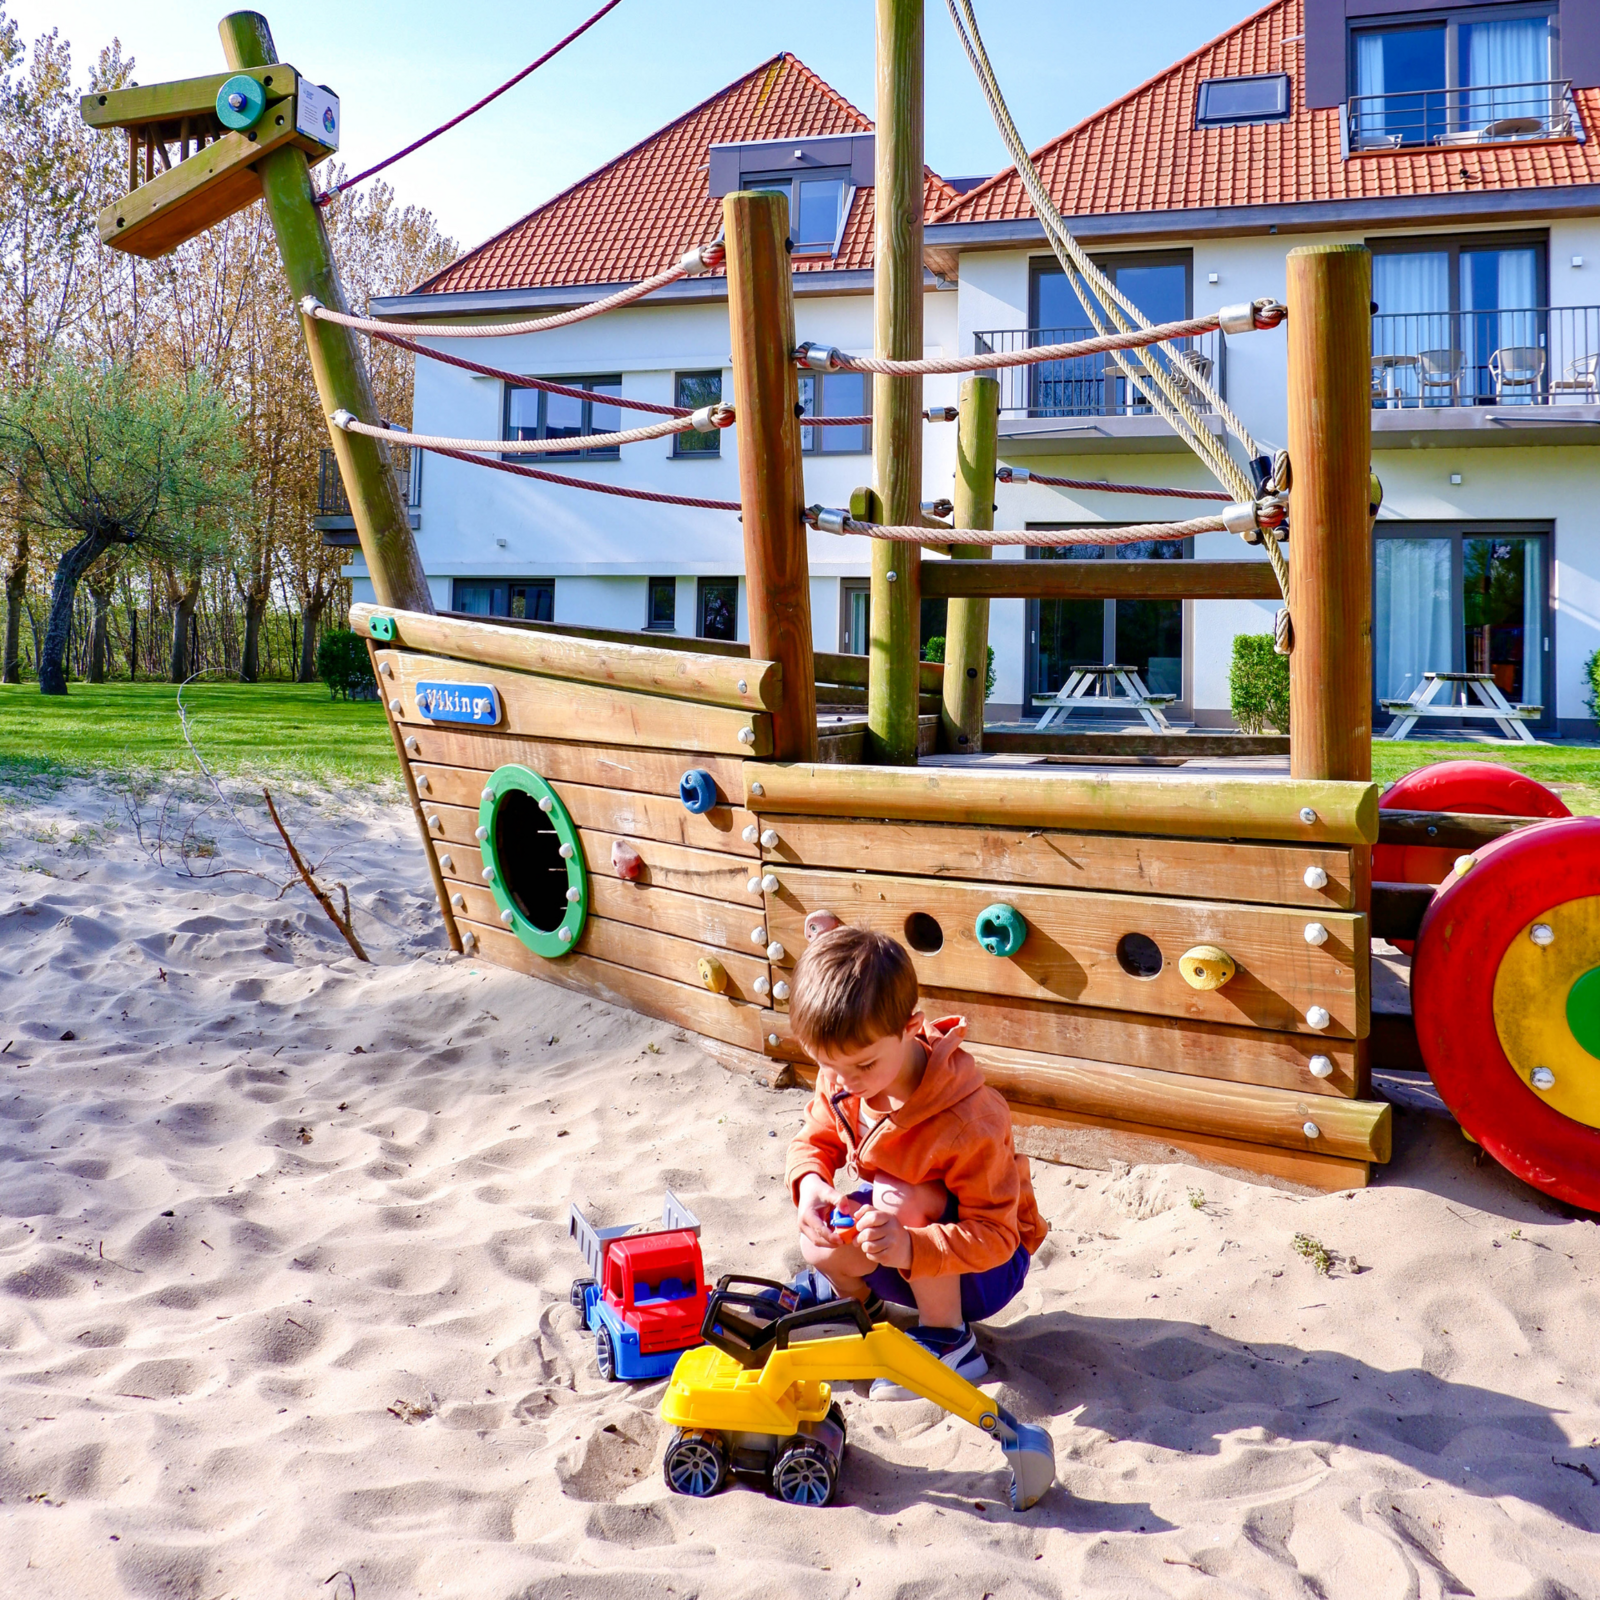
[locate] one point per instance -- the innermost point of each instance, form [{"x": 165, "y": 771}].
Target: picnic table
[
  {"x": 1491, "y": 705},
  {"x": 1100, "y": 687}
]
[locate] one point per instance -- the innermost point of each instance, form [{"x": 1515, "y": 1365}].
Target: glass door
[{"x": 1502, "y": 612}]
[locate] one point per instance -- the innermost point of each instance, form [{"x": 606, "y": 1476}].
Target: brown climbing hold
[
  {"x": 626, "y": 862},
  {"x": 819, "y": 923}
]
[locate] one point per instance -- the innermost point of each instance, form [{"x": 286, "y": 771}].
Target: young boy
[{"x": 904, "y": 1137}]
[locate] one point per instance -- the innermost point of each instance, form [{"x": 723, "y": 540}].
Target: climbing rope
[
  {"x": 703, "y": 258},
  {"x": 1024, "y": 475},
  {"x": 1231, "y": 319},
  {"x": 706, "y": 420},
  {"x": 445, "y": 127},
  {"x": 841, "y": 522},
  {"x": 619, "y": 490},
  {"x": 1164, "y": 386}
]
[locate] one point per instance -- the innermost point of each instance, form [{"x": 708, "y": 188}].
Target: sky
[{"x": 403, "y": 66}]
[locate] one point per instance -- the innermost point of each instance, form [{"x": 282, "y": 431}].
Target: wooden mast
[
  {"x": 966, "y": 633},
  {"x": 897, "y": 402},
  {"x": 382, "y": 520}
]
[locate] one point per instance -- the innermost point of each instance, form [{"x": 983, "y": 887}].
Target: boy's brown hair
[{"x": 851, "y": 986}]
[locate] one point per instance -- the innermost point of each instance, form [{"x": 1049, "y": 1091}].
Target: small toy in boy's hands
[{"x": 844, "y": 1222}]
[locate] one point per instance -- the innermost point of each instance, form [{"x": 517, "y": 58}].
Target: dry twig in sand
[{"x": 342, "y": 923}]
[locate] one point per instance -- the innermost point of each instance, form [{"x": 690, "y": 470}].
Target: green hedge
[
  {"x": 1258, "y": 684},
  {"x": 933, "y": 650},
  {"x": 344, "y": 665},
  {"x": 1591, "y": 684}
]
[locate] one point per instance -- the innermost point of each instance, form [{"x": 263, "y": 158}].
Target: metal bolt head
[
  {"x": 1316, "y": 878},
  {"x": 1316, "y": 933},
  {"x": 757, "y": 790},
  {"x": 744, "y": 688},
  {"x": 1320, "y": 1067},
  {"x": 751, "y": 834},
  {"x": 1311, "y": 1130},
  {"x": 1542, "y": 1078},
  {"x": 758, "y": 936},
  {"x": 772, "y": 1039},
  {"x": 1542, "y": 934},
  {"x": 1318, "y": 1017},
  {"x": 894, "y": 577},
  {"x": 236, "y": 101},
  {"x": 1307, "y": 815}
]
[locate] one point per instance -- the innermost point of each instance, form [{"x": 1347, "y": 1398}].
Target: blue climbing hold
[
  {"x": 1001, "y": 929},
  {"x": 698, "y": 791}
]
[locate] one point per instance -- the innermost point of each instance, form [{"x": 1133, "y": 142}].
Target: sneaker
[{"x": 955, "y": 1347}]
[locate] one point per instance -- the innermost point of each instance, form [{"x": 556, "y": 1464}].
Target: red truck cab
[{"x": 655, "y": 1282}]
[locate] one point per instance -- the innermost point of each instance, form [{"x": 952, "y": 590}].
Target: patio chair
[
  {"x": 1582, "y": 378},
  {"x": 1199, "y": 364},
  {"x": 1439, "y": 370},
  {"x": 1517, "y": 367}
]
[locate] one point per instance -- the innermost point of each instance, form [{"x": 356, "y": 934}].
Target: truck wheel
[
  {"x": 836, "y": 1416},
  {"x": 605, "y": 1357},
  {"x": 805, "y": 1474},
  {"x": 695, "y": 1464},
  {"x": 576, "y": 1296}
]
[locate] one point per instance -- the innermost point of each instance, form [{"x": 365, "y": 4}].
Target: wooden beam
[
  {"x": 1189, "y": 746},
  {"x": 966, "y": 632},
  {"x": 1448, "y": 830},
  {"x": 1199, "y": 806},
  {"x": 895, "y": 645},
  {"x": 771, "y": 483},
  {"x": 186, "y": 97},
  {"x": 832, "y": 668},
  {"x": 1101, "y": 580},
  {"x": 1398, "y": 908},
  {"x": 683, "y": 675}
]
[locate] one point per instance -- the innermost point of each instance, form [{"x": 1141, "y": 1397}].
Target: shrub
[
  {"x": 344, "y": 665},
  {"x": 1258, "y": 684},
  {"x": 933, "y": 650},
  {"x": 1591, "y": 684}
]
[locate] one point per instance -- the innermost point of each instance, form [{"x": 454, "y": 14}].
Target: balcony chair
[
  {"x": 1582, "y": 378},
  {"x": 1439, "y": 370},
  {"x": 1517, "y": 367},
  {"x": 1199, "y": 364}
]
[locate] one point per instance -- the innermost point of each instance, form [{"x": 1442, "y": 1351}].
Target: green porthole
[{"x": 533, "y": 861}]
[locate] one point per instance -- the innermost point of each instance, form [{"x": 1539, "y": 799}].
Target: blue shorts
[{"x": 982, "y": 1293}]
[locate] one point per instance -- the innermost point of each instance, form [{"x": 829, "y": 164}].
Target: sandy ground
[{"x": 284, "y": 1270}]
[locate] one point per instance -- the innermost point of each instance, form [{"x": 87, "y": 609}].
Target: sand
[{"x": 284, "y": 1270}]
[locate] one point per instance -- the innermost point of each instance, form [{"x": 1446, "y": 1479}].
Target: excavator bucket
[{"x": 1031, "y": 1454}]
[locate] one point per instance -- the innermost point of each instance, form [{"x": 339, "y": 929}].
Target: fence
[
  {"x": 332, "y": 501},
  {"x": 1484, "y": 114}
]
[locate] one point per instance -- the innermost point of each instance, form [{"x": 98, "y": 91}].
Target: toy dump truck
[
  {"x": 647, "y": 1294},
  {"x": 756, "y": 1400}
]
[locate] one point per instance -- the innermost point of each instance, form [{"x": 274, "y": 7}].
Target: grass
[
  {"x": 1573, "y": 771},
  {"x": 272, "y": 730}
]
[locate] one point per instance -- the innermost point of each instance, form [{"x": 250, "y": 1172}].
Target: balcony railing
[
  {"x": 1544, "y": 356},
  {"x": 332, "y": 501},
  {"x": 1090, "y": 386},
  {"x": 1488, "y": 114}
]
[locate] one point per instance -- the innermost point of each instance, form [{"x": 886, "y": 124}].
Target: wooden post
[
  {"x": 966, "y": 633},
  {"x": 896, "y": 644},
  {"x": 376, "y": 502},
  {"x": 766, "y": 396},
  {"x": 1330, "y": 454}
]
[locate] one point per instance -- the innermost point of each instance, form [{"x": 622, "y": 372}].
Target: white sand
[{"x": 207, "y": 1314}]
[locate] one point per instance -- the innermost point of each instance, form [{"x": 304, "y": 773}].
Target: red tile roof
[
  {"x": 1144, "y": 153},
  {"x": 640, "y": 212}
]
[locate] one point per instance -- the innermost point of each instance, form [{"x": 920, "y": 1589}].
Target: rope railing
[
  {"x": 706, "y": 420},
  {"x": 703, "y": 258},
  {"x": 841, "y": 522},
  {"x": 621, "y": 491},
  {"x": 1024, "y": 475},
  {"x": 1231, "y": 319}
]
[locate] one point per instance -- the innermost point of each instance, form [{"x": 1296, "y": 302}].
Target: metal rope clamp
[
  {"x": 819, "y": 357},
  {"x": 703, "y": 258},
  {"x": 828, "y": 519}
]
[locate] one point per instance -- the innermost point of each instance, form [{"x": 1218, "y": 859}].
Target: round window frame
[{"x": 549, "y": 944}]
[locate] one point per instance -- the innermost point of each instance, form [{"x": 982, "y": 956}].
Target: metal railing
[
  {"x": 332, "y": 501},
  {"x": 1541, "y": 356},
  {"x": 1480, "y": 114},
  {"x": 1089, "y": 386}
]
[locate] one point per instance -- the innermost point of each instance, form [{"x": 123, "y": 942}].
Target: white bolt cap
[
  {"x": 396, "y": 707},
  {"x": 893, "y": 576},
  {"x": 761, "y": 986},
  {"x": 1320, "y": 1067},
  {"x": 547, "y": 805},
  {"x": 769, "y": 840},
  {"x": 754, "y": 885},
  {"x": 386, "y": 669},
  {"x": 780, "y": 991},
  {"x": 1311, "y": 1130},
  {"x": 566, "y": 852},
  {"x": 488, "y": 874},
  {"x": 434, "y": 822},
  {"x": 757, "y": 790},
  {"x": 1316, "y": 933},
  {"x": 772, "y": 1039},
  {"x": 775, "y": 951},
  {"x": 1318, "y": 1017},
  {"x": 414, "y": 747},
  {"x": 744, "y": 688},
  {"x": 758, "y": 936},
  {"x": 574, "y": 896},
  {"x": 1542, "y": 1078},
  {"x": 448, "y": 863},
  {"x": 1542, "y": 933},
  {"x": 480, "y": 834},
  {"x": 1463, "y": 863},
  {"x": 459, "y": 901},
  {"x": 468, "y": 939},
  {"x": 1316, "y": 878},
  {"x": 505, "y": 917},
  {"x": 751, "y": 834},
  {"x": 770, "y": 884},
  {"x": 488, "y": 794},
  {"x": 747, "y": 736},
  {"x": 564, "y": 935},
  {"x": 1307, "y": 815},
  {"x": 422, "y": 782}
]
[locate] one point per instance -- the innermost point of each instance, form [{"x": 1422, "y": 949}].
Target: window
[
  {"x": 816, "y": 207},
  {"x": 537, "y": 414},
  {"x": 1461, "y": 598},
  {"x": 855, "y": 616},
  {"x": 836, "y": 394},
  {"x": 661, "y": 606},
  {"x": 694, "y": 390},
  {"x": 1224, "y": 101},
  {"x": 534, "y": 600},
  {"x": 1144, "y": 634},
  {"x": 718, "y": 608}
]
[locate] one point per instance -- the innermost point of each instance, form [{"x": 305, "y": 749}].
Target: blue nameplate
[{"x": 476, "y": 703}]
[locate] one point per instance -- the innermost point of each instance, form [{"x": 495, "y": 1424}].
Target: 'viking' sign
[{"x": 476, "y": 703}]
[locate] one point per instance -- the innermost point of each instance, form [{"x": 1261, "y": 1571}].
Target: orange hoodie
[{"x": 955, "y": 1130}]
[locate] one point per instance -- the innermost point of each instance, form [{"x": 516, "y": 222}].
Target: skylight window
[{"x": 1225, "y": 102}]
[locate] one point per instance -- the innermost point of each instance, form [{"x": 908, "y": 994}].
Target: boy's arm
[
  {"x": 817, "y": 1148},
  {"x": 981, "y": 1174}
]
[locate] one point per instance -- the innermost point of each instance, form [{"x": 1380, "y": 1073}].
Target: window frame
[
  {"x": 703, "y": 587},
  {"x": 681, "y": 451},
  {"x": 500, "y": 594},
  {"x": 1040, "y": 267},
  {"x": 583, "y": 381},
  {"x": 819, "y": 382},
  {"x": 1451, "y": 18},
  {"x": 1203, "y": 119},
  {"x": 849, "y": 587},
  {"x": 775, "y": 180},
  {"x": 650, "y": 588}
]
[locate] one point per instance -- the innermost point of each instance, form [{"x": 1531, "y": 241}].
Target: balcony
[
  {"x": 1487, "y": 377},
  {"x": 1088, "y": 403},
  {"x": 334, "y": 520},
  {"x": 1488, "y": 114}
]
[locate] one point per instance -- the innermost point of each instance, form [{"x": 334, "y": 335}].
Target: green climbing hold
[
  {"x": 381, "y": 627},
  {"x": 1001, "y": 929},
  {"x": 1583, "y": 1010}
]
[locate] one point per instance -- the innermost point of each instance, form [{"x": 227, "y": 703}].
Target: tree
[{"x": 110, "y": 456}]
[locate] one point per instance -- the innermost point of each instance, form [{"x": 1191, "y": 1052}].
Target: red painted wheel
[
  {"x": 1477, "y": 788},
  {"x": 1505, "y": 989}
]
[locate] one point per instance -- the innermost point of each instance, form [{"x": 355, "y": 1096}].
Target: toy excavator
[{"x": 754, "y": 1399}]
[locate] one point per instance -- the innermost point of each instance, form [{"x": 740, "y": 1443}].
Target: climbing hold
[
  {"x": 240, "y": 102},
  {"x": 626, "y": 862},
  {"x": 713, "y": 974},
  {"x": 697, "y": 789},
  {"x": 1207, "y": 966},
  {"x": 819, "y": 923},
  {"x": 381, "y": 628},
  {"x": 1001, "y": 929}
]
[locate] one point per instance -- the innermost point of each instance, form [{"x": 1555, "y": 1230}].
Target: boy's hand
[
  {"x": 882, "y": 1237},
  {"x": 816, "y": 1202}
]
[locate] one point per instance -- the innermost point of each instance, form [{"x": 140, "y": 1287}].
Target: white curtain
[
  {"x": 1369, "y": 63},
  {"x": 1532, "y": 622},
  {"x": 1501, "y": 55},
  {"x": 1411, "y": 632},
  {"x": 1413, "y": 295},
  {"x": 1499, "y": 314}
]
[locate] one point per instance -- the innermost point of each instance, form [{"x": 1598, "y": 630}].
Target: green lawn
[
  {"x": 1573, "y": 771},
  {"x": 281, "y": 730}
]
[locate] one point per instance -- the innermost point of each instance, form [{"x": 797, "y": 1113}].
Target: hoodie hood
[{"x": 950, "y": 1076}]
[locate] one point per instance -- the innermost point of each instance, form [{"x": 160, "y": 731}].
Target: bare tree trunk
[
  {"x": 16, "y": 584},
  {"x": 182, "y": 598},
  {"x": 99, "y": 584},
  {"x": 74, "y": 562},
  {"x": 310, "y": 621},
  {"x": 255, "y": 609}
]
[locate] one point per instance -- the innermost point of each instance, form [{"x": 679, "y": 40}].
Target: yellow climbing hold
[
  {"x": 713, "y": 974},
  {"x": 1207, "y": 966}
]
